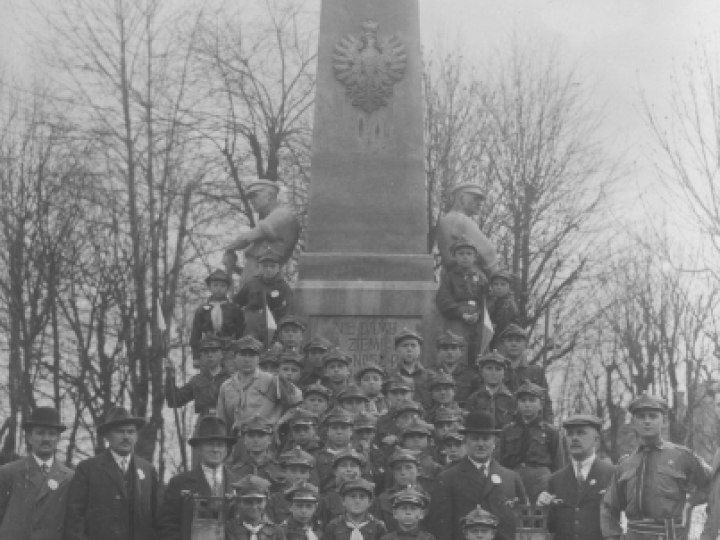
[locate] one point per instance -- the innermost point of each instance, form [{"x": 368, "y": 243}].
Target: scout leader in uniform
[
  {"x": 575, "y": 492},
  {"x": 210, "y": 478},
  {"x": 651, "y": 485},
  {"x": 477, "y": 479},
  {"x": 33, "y": 490},
  {"x": 113, "y": 495}
]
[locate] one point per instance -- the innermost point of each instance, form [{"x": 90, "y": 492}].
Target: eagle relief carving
[{"x": 369, "y": 66}]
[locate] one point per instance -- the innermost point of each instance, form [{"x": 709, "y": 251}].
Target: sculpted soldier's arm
[{"x": 610, "y": 510}]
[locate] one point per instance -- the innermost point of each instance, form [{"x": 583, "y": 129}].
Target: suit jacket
[
  {"x": 578, "y": 516},
  {"x": 172, "y": 518},
  {"x": 33, "y": 507},
  {"x": 460, "y": 489},
  {"x": 99, "y": 506}
]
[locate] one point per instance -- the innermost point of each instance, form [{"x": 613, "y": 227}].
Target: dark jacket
[
  {"x": 232, "y": 327},
  {"x": 100, "y": 506},
  {"x": 269, "y": 469},
  {"x": 461, "y": 293},
  {"x": 173, "y": 517},
  {"x": 577, "y": 516},
  {"x": 32, "y": 507},
  {"x": 292, "y": 530},
  {"x": 541, "y": 447},
  {"x": 466, "y": 380},
  {"x": 337, "y": 529},
  {"x": 503, "y": 312},
  {"x": 461, "y": 488},
  {"x": 416, "y": 534},
  {"x": 501, "y": 404},
  {"x": 203, "y": 389},
  {"x": 278, "y": 296},
  {"x": 515, "y": 377},
  {"x": 421, "y": 377}
]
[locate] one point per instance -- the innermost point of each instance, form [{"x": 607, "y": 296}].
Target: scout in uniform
[
  {"x": 514, "y": 340},
  {"x": 289, "y": 334},
  {"x": 453, "y": 448},
  {"x": 316, "y": 398},
  {"x": 347, "y": 467},
  {"x": 270, "y": 362},
  {"x": 479, "y": 525},
  {"x": 356, "y": 523},
  {"x": 403, "y": 414},
  {"x": 446, "y": 420},
  {"x": 339, "y": 425},
  {"x": 352, "y": 399},
  {"x": 302, "y": 426},
  {"x": 651, "y": 485},
  {"x": 442, "y": 390},
  {"x": 218, "y": 317},
  {"x": 404, "y": 467},
  {"x": 409, "y": 506},
  {"x": 298, "y": 466},
  {"x": 257, "y": 458},
  {"x": 371, "y": 378},
  {"x": 529, "y": 445},
  {"x": 415, "y": 438},
  {"x": 574, "y": 493},
  {"x": 314, "y": 369},
  {"x": 501, "y": 305},
  {"x": 450, "y": 352},
  {"x": 302, "y": 499},
  {"x": 337, "y": 372},
  {"x": 290, "y": 366},
  {"x": 249, "y": 521},
  {"x": 397, "y": 390},
  {"x": 267, "y": 290},
  {"x": 34, "y": 490},
  {"x": 408, "y": 348},
  {"x": 493, "y": 396},
  {"x": 364, "y": 430},
  {"x": 461, "y": 297}
]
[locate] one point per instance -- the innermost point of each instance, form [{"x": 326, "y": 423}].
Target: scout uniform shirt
[
  {"x": 294, "y": 530},
  {"x": 265, "y": 530},
  {"x": 500, "y": 404},
  {"x": 371, "y": 529},
  {"x": 203, "y": 388},
  {"x": 516, "y": 376},
  {"x": 535, "y": 444}
]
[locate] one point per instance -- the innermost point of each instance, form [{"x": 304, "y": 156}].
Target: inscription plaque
[{"x": 367, "y": 339}]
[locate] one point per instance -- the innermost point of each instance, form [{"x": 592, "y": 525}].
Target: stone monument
[{"x": 366, "y": 273}]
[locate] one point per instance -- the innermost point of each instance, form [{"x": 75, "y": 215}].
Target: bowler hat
[
  {"x": 210, "y": 428},
  {"x": 119, "y": 416},
  {"x": 479, "y": 422},
  {"x": 44, "y": 417}
]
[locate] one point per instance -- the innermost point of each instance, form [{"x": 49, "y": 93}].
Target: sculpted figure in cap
[{"x": 467, "y": 199}]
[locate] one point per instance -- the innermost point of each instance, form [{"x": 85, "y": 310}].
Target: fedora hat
[
  {"x": 44, "y": 417},
  {"x": 119, "y": 416},
  {"x": 210, "y": 428},
  {"x": 479, "y": 422}
]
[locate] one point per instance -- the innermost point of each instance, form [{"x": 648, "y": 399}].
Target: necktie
[
  {"x": 253, "y": 530},
  {"x": 579, "y": 476},
  {"x": 371, "y": 407},
  {"x": 642, "y": 473},
  {"x": 44, "y": 469},
  {"x": 215, "y": 485},
  {"x": 216, "y": 316},
  {"x": 481, "y": 470},
  {"x": 123, "y": 465},
  {"x": 310, "y": 534},
  {"x": 356, "y": 534}
]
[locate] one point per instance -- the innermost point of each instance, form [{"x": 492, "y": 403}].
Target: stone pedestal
[{"x": 366, "y": 273}]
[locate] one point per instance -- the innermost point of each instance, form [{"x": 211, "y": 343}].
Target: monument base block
[{"x": 363, "y": 317}]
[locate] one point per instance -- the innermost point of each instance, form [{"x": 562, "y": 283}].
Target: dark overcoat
[
  {"x": 100, "y": 507},
  {"x": 577, "y": 517},
  {"x": 32, "y": 507},
  {"x": 460, "y": 489}
]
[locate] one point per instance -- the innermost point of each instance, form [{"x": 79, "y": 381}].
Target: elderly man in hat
[
  {"x": 467, "y": 200},
  {"x": 33, "y": 490},
  {"x": 210, "y": 478},
  {"x": 218, "y": 317},
  {"x": 114, "y": 495},
  {"x": 278, "y": 227},
  {"x": 651, "y": 486},
  {"x": 575, "y": 492},
  {"x": 477, "y": 479}
]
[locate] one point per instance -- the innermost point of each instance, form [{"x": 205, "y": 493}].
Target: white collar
[
  {"x": 584, "y": 465},
  {"x": 478, "y": 465},
  {"x": 213, "y": 473},
  {"x": 48, "y": 463},
  {"x": 119, "y": 459}
]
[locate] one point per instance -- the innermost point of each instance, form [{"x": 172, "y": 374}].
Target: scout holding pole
[{"x": 163, "y": 332}]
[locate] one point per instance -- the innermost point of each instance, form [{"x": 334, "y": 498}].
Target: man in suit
[
  {"x": 210, "y": 478},
  {"x": 113, "y": 496},
  {"x": 477, "y": 479},
  {"x": 33, "y": 490},
  {"x": 574, "y": 493}
]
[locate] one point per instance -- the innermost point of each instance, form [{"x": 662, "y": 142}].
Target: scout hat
[
  {"x": 269, "y": 254},
  {"x": 337, "y": 355},
  {"x": 449, "y": 338},
  {"x": 453, "y": 435},
  {"x": 318, "y": 342},
  {"x": 442, "y": 379},
  {"x": 256, "y": 185},
  {"x": 270, "y": 359},
  {"x": 648, "y": 402},
  {"x": 359, "y": 484},
  {"x": 318, "y": 389},
  {"x": 468, "y": 187},
  {"x": 210, "y": 428},
  {"x": 578, "y": 420},
  {"x": 352, "y": 391},
  {"x": 397, "y": 382},
  {"x": 407, "y": 405},
  {"x": 252, "y": 487},
  {"x": 349, "y": 454},
  {"x": 303, "y": 416},
  {"x": 479, "y": 517},
  {"x": 211, "y": 343},
  {"x": 297, "y": 456},
  {"x": 402, "y": 456},
  {"x": 514, "y": 330},
  {"x": 301, "y": 492},
  {"x": 246, "y": 343},
  {"x": 365, "y": 420},
  {"x": 532, "y": 389},
  {"x": 479, "y": 422},
  {"x": 410, "y": 495},
  {"x": 418, "y": 426},
  {"x": 446, "y": 414},
  {"x": 462, "y": 242},
  {"x": 256, "y": 425},
  {"x": 493, "y": 357},
  {"x": 119, "y": 416},
  {"x": 406, "y": 334},
  {"x": 291, "y": 320},
  {"x": 218, "y": 275},
  {"x": 44, "y": 417},
  {"x": 370, "y": 367},
  {"x": 501, "y": 274},
  {"x": 339, "y": 416},
  {"x": 291, "y": 357}
]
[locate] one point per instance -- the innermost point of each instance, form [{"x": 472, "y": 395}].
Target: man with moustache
[
  {"x": 574, "y": 493},
  {"x": 33, "y": 490},
  {"x": 113, "y": 495},
  {"x": 477, "y": 479}
]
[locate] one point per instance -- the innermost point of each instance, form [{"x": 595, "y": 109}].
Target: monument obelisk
[{"x": 366, "y": 273}]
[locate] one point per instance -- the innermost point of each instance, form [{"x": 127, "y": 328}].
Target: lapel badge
[
  {"x": 141, "y": 474},
  {"x": 496, "y": 479},
  {"x": 275, "y": 294},
  {"x": 52, "y": 484},
  {"x": 593, "y": 482}
]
